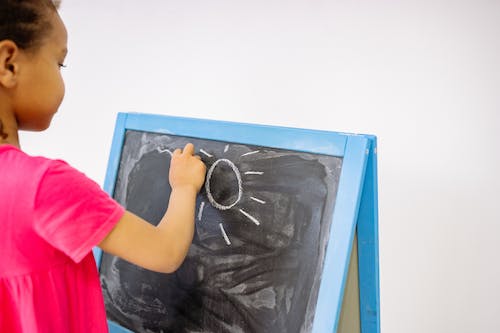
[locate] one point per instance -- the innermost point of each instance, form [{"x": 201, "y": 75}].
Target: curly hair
[{"x": 26, "y": 23}]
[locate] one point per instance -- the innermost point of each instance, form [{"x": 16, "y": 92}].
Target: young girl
[{"x": 51, "y": 215}]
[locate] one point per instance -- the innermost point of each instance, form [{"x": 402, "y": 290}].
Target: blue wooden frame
[{"x": 356, "y": 207}]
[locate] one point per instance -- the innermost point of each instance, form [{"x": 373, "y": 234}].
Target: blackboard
[{"x": 263, "y": 226}]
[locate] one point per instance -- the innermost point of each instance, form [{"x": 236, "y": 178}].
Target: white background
[{"x": 423, "y": 76}]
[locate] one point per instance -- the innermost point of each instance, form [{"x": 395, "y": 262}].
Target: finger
[
  {"x": 177, "y": 151},
  {"x": 189, "y": 149},
  {"x": 197, "y": 157}
]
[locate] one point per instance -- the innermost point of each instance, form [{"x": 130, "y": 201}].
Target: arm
[{"x": 162, "y": 248}]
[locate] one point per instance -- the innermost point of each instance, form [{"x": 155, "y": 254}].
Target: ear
[{"x": 9, "y": 52}]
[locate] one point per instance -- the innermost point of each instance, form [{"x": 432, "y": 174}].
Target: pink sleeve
[{"x": 71, "y": 212}]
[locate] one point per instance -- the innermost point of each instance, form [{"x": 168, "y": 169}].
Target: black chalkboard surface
[{"x": 262, "y": 227}]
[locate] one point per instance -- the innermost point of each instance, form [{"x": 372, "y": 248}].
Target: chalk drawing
[
  {"x": 164, "y": 151},
  {"x": 200, "y": 211},
  {"x": 250, "y": 217},
  {"x": 209, "y": 177},
  {"x": 258, "y": 200},
  {"x": 228, "y": 242},
  {"x": 251, "y": 153},
  {"x": 205, "y": 153}
]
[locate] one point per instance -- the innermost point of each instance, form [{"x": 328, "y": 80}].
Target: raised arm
[{"x": 162, "y": 248}]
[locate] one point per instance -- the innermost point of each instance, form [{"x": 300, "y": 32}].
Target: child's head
[{"x": 32, "y": 50}]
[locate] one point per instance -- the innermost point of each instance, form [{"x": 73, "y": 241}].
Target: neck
[
  {"x": 8, "y": 122},
  {"x": 8, "y": 131}
]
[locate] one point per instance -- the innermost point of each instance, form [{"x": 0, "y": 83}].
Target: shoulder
[
  {"x": 13, "y": 156},
  {"x": 19, "y": 169},
  {"x": 31, "y": 172}
]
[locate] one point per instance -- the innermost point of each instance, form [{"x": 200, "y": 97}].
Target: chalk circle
[{"x": 209, "y": 192}]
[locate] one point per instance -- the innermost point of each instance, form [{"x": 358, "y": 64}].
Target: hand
[{"x": 186, "y": 169}]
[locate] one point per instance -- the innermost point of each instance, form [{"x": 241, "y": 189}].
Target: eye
[{"x": 62, "y": 65}]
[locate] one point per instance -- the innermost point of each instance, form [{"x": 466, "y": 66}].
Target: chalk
[
  {"x": 209, "y": 191},
  {"x": 258, "y": 200},
  {"x": 251, "y": 153},
  {"x": 200, "y": 211},
  {"x": 228, "y": 242},
  {"x": 205, "y": 153},
  {"x": 226, "y": 148},
  {"x": 254, "y": 172},
  {"x": 253, "y": 219},
  {"x": 164, "y": 151}
]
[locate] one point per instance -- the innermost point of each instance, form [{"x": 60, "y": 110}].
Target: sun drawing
[{"x": 239, "y": 188}]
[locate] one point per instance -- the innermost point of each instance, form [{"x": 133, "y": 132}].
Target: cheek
[
  {"x": 40, "y": 102},
  {"x": 61, "y": 92},
  {"x": 56, "y": 93}
]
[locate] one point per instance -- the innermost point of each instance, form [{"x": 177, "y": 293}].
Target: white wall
[{"x": 424, "y": 76}]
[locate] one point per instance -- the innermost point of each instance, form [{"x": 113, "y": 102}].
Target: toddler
[{"x": 52, "y": 215}]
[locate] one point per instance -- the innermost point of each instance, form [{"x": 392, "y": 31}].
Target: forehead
[
  {"x": 56, "y": 37},
  {"x": 58, "y": 34}
]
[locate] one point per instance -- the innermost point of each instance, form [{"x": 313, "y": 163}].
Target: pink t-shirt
[{"x": 51, "y": 216}]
